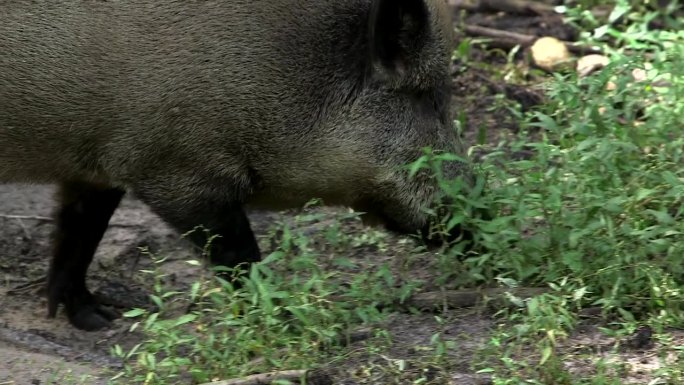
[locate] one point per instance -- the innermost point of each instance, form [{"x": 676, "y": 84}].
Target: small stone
[
  {"x": 639, "y": 75},
  {"x": 587, "y": 65},
  {"x": 550, "y": 54}
]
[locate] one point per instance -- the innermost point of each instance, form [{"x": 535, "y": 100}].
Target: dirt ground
[{"x": 36, "y": 350}]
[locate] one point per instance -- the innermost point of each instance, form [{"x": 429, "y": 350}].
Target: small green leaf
[
  {"x": 546, "y": 354},
  {"x": 573, "y": 260},
  {"x": 185, "y": 319},
  {"x": 619, "y": 10},
  {"x": 579, "y": 293},
  {"x": 662, "y": 216},
  {"x": 137, "y": 312}
]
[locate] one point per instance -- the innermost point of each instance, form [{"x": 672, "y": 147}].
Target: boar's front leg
[
  {"x": 235, "y": 242},
  {"x": 82, "y": 218}
]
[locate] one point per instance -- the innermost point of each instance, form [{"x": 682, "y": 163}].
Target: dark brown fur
[{"x": 201, "y": 107}]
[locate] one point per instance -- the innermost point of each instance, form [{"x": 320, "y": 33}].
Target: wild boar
[{"x": 199, "y": 108}]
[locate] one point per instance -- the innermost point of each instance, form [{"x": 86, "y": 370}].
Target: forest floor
[{"x": 37, "y": 350}]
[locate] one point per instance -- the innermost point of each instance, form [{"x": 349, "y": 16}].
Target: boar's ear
[{"x": 398, "y": 30}]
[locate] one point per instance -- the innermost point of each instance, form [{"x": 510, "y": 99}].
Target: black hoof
[
  {"x": 82, "y": 309},
  {"x": 91, "y": 317}
]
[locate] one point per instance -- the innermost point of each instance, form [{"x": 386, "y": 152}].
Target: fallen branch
[
  {"x": 468, "y": 298},
  {"x": 457, "y": 298},
  {"x": 527, "y": 7},
  {"x": 508, "y": 40},
  {"x": 312, "y": 378},
  {"x": 524, "y": 7}
]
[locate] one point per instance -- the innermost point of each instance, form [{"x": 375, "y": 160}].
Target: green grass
[
  {"x": 594, "y": 214},
  {"x": 292, "y": 310}
]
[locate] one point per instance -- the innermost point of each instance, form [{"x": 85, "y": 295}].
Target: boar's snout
[
  {"x": 415, "y": 206},
  {"x": 411, "y": 222},
  {"x": 432, "y": 236}
]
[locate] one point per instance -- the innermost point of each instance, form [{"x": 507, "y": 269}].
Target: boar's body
[{"x": 201, "y": 107}]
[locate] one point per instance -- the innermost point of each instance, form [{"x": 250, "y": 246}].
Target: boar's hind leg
[{"x": 81, "y": 221}]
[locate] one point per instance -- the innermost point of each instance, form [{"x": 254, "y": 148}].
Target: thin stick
[
  {"x": 27, "y": 217},
  {"x": 50, "y": 219},
  {"x": 26, "y": 286}
]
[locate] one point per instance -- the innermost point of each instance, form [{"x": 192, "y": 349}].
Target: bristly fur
[{"x": 200, "y": 108}]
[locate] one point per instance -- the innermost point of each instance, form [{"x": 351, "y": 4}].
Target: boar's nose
[{"x": 463, "y": 232}]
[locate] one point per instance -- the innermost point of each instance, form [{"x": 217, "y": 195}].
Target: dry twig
[
  {"x": 28, "y": 286},
  {"x": 39, "y": 218}
]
